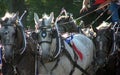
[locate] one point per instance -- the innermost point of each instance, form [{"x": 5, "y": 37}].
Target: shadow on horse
[{"x": 106, "y": 42}]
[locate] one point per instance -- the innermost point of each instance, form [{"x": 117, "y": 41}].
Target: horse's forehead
[
  {"x": 8, "y": 28},
  {"x": 45, "y": 21},
  {"x": 11, "y": 28}
]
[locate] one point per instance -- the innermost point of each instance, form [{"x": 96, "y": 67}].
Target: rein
[
  {"x": 99, "y": 16},
  {"x": 91, "y": 12},
  {"x": 88, "y": 14}
]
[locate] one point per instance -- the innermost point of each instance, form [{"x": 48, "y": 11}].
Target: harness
[{"x": 57, "y": 59}]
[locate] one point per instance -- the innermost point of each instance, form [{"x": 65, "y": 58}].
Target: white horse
[{"x": 56, "y": 55}]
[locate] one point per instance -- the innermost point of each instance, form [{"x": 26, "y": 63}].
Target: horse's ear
[
  {"x": 63, "y": 12},
  {"x": 36, "y": 18},
  {"x": 94, "y": 29},
  {"x": 109, "y": 26},
  {"x": 51, "y": 17},
  {"x": 15, "y": 17}
]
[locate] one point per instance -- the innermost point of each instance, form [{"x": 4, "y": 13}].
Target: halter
[{"x": 44, "y": 34}]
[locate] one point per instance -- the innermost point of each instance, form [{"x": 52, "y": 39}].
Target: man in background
[{"x": 92, "y": 10}]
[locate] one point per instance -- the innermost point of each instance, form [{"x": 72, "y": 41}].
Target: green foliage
[
  {"x": 40, "y": 7},
  {"x": 48, "y": 6},
  {"x": 3, "y": 7}
]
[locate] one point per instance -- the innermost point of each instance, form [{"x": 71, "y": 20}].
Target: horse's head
[
  {"x": 66, "y": 23},
  {"x": 44, "y": 34},
  {"x": 103, "y": 41},
  {"x": 9, "y": 31}
]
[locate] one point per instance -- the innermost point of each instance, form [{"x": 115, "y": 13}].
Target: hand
[
  {"x": 84, "y": 8},
  {"x": 101, "y": 7}
]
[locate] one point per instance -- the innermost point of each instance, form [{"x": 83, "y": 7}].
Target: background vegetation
[{"x": 40, "y": 7}]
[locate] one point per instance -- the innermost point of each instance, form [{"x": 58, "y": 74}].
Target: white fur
[{"x": 7, "y": 15}]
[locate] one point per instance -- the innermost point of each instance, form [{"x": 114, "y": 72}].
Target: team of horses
[{"x": 58, "y": 47}]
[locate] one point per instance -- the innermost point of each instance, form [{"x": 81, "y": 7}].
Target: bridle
[
  {"x": 43, "y": 31},
  {"x": 53, "y": 35}
]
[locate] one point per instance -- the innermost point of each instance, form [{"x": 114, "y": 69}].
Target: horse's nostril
[{"x": 6, "y": 32}]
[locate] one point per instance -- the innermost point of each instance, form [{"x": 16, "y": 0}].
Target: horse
[
  {"x": 58, "y": 55},
  {"x": 66, "y": 22},
  {"x": 18, "y": 58},
  {"x": 103, "y": 40},
  {"x": 105, "y": 55}
]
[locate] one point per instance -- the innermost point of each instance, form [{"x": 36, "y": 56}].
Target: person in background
[
  {"x": 114, "y": 11},
  {"x": 91, "y": 8}
]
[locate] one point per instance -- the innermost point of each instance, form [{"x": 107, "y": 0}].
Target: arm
[
  {"x": 106, "y": 3},
  {"x": 84, "y": 5},
  {"x": 85, "y": 2}
]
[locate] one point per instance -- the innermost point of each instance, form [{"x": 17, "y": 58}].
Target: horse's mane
[
  {"x": 62, "y": 17},
  {"x": 104, "y": 25},
  {"x": 45, "y": 16},
  {"x": 7, "y": 15}
]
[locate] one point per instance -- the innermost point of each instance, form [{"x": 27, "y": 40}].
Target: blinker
[{"x": 43, "y": 34}]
